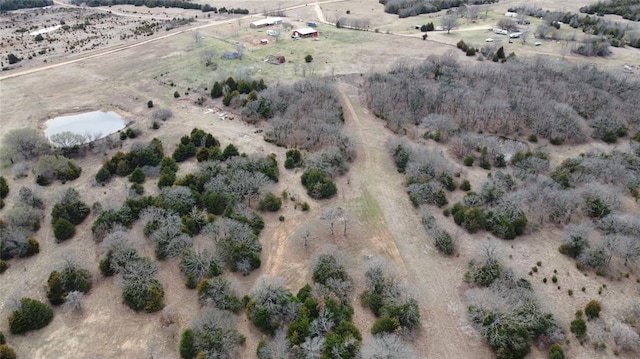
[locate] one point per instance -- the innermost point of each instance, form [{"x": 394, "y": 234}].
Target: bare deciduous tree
[{"x": 449, "y": 22}]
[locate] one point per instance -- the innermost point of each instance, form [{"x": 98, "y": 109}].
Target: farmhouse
[
  {"x": 304, "y": 32},
  {"x": 270, "y": 21}
]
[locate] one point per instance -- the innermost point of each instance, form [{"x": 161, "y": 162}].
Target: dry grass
[{"x": 385, "y": 222}]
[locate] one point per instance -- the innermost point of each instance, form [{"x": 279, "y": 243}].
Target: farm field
[{"x": 117, "y": 61}]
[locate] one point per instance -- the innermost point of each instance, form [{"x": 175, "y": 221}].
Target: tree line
[
  {"x": 9, "y": 5},
  {"x": 181, "y": 4},
  {"x": 611, "y": 32},
  {"x": 628, "y": 9},
  {"x": 407, "y": 8}
]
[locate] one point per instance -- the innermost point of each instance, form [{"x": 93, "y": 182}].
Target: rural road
[
  {"x": 118, "y": 48},
  {"x": 435, "y": 279}
]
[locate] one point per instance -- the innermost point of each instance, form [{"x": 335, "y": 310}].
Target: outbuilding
[
  {"x": 270, "y": 21},
  {"x": 304, "y": 32}
]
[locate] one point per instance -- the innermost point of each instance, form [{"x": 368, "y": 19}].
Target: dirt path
[{"x": 435, "y": 280}]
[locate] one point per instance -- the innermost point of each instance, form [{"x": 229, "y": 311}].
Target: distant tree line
[
  {"x": 615, "y": 33},
  {"x": 8, "y": 5},
  {"x": 628, "y": 9},
  {"x": 407, "y": 8},
  {"x": 181, "y": 4}
]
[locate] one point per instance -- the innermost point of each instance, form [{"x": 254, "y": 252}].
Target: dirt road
[{"x": 435, "y": 280}]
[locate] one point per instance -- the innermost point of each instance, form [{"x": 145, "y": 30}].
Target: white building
[{"x": 270, "y": 21}]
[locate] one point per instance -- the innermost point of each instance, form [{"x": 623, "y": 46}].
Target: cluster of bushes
[
  {"x": 394, "y": 310},
  {"x": 493, "y": 208},
  {"x": 306, "y": 115},
  {"x": 320, "y": 318},
  {"x": 242, "y": 86},
  {"x": 31, "y": 314},
  {"x": 217, "y": 292},
  {"x": 50, "y": 168},
  {"x": 68, "y": 213},
  {"x": 427, "y": 27},
  {"x": 442, "y": 240},
  {"x": 508, "y": 332},
  {"x": 123, "y": 164},
  {"x": 293, "y": 159},
  {"x": 270, "y": 202},
  {"x": 470, "y": 50},
  {"x": 141, "y": 289},
  {"x": 19, "y": 225},
  {"x": 200, "y": 144},
  {"x": 318, "y": 183},
  {"x": 68, "y": 279},
  {"x": 237, "y": 243},
  {"x": 210, "y": 336},
  {"x": 427, "y": 173},
  {"x": 618, "y": 238},
  {"x": 271, "y": 307},
  {"x": 196, "y": 266},
  {"x": 165, "y": 228}
]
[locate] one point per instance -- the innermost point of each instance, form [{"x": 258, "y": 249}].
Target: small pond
[{"x": 93, "y": 125}]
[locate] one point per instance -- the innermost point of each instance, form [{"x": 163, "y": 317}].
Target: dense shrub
[
  {"x": 70, "y": 207},
  {"x": 69, "y": 279},
  {"x": 443, "y": 242},
  {"x": 210, "y": 336},
  {"x": 327, "y": 267},
  {"x": 3, "y": 266},
  {"x": 578, "y": 327},
  {"x": 30, "y": 315},
  {"x": 318, "y": 183},
  {"x": 147, "y": 296},
  {"x": 4, "y": 188},
  {"x": 385, "y": 325},
  {"x": 6, "y": 352},
  {"x": 383, "y": 296},
  {"x": 63, "y": 229},
  {"x": 270, "y": 202},
  {"x": 270, "y": 307},
  {"x": 217, "y": 292},
  {"x": 293, "y": 159},
  {"x": 137, "y": 176}
]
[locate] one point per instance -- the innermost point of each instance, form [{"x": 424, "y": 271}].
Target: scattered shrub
[
  {"x": 592, "y": 309},
  {"x": 555, "y": 352}
]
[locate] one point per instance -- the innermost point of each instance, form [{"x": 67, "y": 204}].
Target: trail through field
[{"x": 435, "y": 280}]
